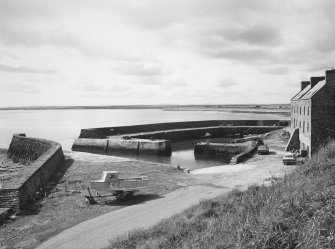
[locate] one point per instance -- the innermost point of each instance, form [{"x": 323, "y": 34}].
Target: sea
[{"x": 63, "y": 126}]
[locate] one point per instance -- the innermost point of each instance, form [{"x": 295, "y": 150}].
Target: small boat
[{"x": 119, "y": 187}]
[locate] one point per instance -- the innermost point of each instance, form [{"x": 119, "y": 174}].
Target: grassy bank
[{"x": 297, "y": 211}]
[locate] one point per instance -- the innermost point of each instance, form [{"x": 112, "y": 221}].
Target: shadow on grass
[{"x": 34, "y": 205}]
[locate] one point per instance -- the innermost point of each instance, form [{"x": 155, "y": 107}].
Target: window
[
  {"x": 307, "y": 127},
  {"x": 300, "y": 109},
  {"x": 299, "y": 124},
  {"x": 308, "y": 110},
  {"x": 304, "y": 110},
  {"x": 303, "y": 127}
]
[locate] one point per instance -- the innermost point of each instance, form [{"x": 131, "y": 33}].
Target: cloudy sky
[{"x": 111, "y": 52}]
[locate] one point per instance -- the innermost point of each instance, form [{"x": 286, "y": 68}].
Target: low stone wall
[
  {"x": 25, "y": 150},
  {"x": 123, "y": 146},
  {"x": 245, "y": 154},
  {"x": 229, "y": 151},
  {"x": 9, "y": 198},
  {"x": 37, "y": 174},
  {"x": 218, "y": 148},
  {"x": 104, "y": 132}
]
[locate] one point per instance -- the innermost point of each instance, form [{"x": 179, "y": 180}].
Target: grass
[{"x": 298, "y": 211}]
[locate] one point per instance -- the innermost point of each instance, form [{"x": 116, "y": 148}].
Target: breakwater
[
  {"x": 105, "y": 132},
  {"x": 232, "y": 152},
  {"x": 123, "y": 146},
  {"x": 155, "y": 139},
  {"x": 17, "y": 193}
]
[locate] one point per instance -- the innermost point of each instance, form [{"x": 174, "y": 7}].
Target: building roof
[
  {"x": 301, "y": 93},
  {"x": 314, "y": 90}
]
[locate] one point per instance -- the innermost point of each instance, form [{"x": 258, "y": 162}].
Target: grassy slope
[{"x": 296, "y": 212}]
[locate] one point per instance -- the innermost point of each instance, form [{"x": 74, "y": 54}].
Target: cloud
[
  {"x": 21, "y": 87},
  {"x": 177, "y": 83},
  {"x": 278, "y": 70},
  {"x": 142, "y": 68},
  {"x": 227, "y": 83},
  {"x": 243, "y": 54},
  {"x": 258, "y": 42},
  {"x": 151, "y": 80},
  {"x": 168, "y": 48},
  {"x": 99, "y": 87},
  {"x": 258, "y": 35},
  {"x": 23, "y": 69}
]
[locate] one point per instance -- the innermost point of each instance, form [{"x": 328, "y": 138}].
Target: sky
[{"x": 147, "y": 52}]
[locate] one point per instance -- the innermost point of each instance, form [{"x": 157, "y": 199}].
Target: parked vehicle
[
  {"x": 263, "y": 149},
  {"x": 289, "y": 158}
]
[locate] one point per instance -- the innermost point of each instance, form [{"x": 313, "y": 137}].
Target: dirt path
[{"x": 96, "y": 233}]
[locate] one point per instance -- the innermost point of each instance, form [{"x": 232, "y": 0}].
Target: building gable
[
  {"x": 314, "y": 90},
  {"x": 301, "y": 93}
]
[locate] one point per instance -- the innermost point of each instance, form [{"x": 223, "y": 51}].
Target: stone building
[{"x": 313, "y": 113}]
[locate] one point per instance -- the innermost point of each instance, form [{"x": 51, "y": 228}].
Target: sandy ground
[{"x": 210, "y": 182}]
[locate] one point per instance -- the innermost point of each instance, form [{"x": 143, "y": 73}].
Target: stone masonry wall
[
  {"x": 119, "y": 130},
  {"x": 245, "y": 154},
  {"x": 25, "y": 150},
  {"x": 41, "y": 170},
  {"x": 9, "y": 198},
  {"x": 323, "y": 112},
  {"x": 306, "y": 124},
  {"x": 195, "y": 133}
]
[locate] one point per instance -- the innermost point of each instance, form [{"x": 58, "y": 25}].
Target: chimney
[
  {"x": 304, "y": 84},
  {"x": 316, "y": 80},
  {"x": 330, "y": 77}
]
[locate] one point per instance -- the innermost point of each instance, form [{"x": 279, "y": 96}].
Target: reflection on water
[{"x": 183, "y": 155}]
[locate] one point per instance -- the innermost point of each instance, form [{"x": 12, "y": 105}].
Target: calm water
[{"x": 64, "y": 126}]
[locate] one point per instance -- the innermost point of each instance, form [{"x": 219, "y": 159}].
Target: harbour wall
[
  {"x": 18, "y": 194},
  {"x": 197, "y": 133},
  {"x": 236, "y": 153},
  {"x": 155, "y": 139},
  {"x": 123, "y": 146},
  {"x": 105, "y": 132},
  {"x": 245, "y": 154}
]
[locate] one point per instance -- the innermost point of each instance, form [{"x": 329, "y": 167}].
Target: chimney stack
[
  {"x": 330, "y": 76},
  {"x": 316, "y": 80},
  {"x": 304, "y": 84}
]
